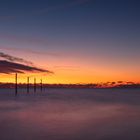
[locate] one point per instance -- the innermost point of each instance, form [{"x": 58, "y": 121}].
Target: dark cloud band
[
  {"x": 14, "y": 59},
  {"x": 7, "y": 67}
]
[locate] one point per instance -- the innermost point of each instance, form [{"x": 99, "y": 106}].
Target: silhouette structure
[
  {"x": 28, "y": 80},
  {"x": 41, "y": 85},
  {"x": 34, "y": 85},
  {"x": 16, "y": 84}
]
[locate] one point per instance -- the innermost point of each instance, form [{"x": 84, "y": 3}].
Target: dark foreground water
[{"x": 70, "y": 114}]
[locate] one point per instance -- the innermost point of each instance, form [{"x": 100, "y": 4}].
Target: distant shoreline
[{"x": 76, "y": 86}]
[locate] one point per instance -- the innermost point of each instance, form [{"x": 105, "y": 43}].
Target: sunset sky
[{"x": 76, "y": 41}]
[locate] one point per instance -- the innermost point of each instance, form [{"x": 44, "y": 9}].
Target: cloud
[
  {"x": 14, "y": 59},
  {"x": 7, "y": 67},
  {"x": 11, "y": 64},
  {"x": 45, "y": 10},
  {"x": 63, "y": 6},
  {"x": 7, "y": 17},
  {"x": 69, "y": 68},
  {"x": 24, "y": 39},
  {"x": 30, "y": 51}
]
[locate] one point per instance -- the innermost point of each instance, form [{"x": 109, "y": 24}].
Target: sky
[{"x": 70, "y": 41}]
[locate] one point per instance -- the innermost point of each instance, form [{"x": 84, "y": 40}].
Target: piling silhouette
[
  {"x": 41, "y": 86},
  {"x": 16, "y": 84},
  {"x": 28, "y": 80},
  {"x": 34, "y": 85}
]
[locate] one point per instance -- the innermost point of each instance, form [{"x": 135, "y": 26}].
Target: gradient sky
[{"x": 81, "y": 41}]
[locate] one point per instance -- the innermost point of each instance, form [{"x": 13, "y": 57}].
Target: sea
[{"x": 70, "y": 114}]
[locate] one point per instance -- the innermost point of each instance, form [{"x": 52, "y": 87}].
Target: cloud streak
[
  {"x": 14, "y": 59},
  {"x": 11, "y": 64},
  {"x": 7, "y": 67},
  {"x": 7, "y": 17},
  {"x": 55, "y": 54},
  {"x": 24, "y": 39},
  {"x": 63, "y": 6},
  {"x": 45, "y": 10}
]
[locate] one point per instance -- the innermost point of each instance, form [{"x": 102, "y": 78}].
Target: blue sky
[{"x": 94, "y": 32}]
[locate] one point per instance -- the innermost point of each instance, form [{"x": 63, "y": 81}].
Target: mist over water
[{"x": 70, "y": 114}]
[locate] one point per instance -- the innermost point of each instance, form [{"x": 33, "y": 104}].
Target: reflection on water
[{"x": 71, "y": 115}]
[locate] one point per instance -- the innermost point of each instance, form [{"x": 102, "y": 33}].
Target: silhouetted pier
[
  {"x": 16, "y": 85},
  {"x": 33, "y": 85},
  {"x": 28, "y": 86}
]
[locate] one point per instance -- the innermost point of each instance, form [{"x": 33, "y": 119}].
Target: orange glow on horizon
[
  {"x": 68, "y": 78},
  {"x": 74, "y": 70}
]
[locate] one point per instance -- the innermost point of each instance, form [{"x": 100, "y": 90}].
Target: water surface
[{"x": 70, "y": 114}]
